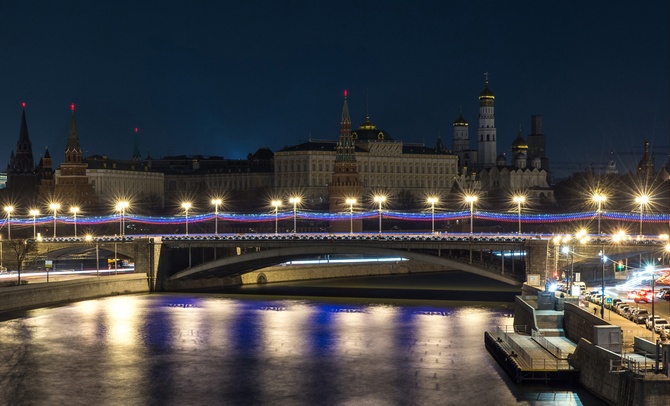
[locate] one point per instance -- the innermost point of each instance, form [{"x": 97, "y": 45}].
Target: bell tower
[{"x": 486, "y": 133}]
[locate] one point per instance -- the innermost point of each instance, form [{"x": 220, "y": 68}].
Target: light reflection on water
[{"x": 209, "y": 349}]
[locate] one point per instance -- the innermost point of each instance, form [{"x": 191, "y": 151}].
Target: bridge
[{"x": 179, "y": 262}]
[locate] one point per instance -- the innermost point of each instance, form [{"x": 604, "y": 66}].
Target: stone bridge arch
[{"x": 249, "y": 262}]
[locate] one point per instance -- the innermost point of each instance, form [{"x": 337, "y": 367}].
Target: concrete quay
[
  {"x": 37, "y": 295},
  {"x": 613, "y": 357}
]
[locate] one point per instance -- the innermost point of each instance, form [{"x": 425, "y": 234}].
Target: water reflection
[{"x": 209, "y": 349}]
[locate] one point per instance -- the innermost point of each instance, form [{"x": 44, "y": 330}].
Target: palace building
[{"x": 361, "y": 163}]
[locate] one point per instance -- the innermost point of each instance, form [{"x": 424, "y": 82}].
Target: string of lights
[{"x": 313, "y": 216}]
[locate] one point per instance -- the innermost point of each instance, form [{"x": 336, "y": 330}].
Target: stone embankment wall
[
  {"x": 579, "y": 323},
  {"x": 49, "y": 294},
  {"x": 618, "y": 387}
]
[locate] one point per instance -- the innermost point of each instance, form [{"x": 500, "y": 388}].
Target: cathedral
[{"x": 482, "y": 171}]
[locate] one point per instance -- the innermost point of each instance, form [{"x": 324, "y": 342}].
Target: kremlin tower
[{"x": 345, "y": 184}]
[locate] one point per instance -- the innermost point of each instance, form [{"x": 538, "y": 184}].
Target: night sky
[{"x": 225, "y": 78}]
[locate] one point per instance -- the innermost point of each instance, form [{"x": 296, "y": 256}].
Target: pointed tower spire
[
  {"x": 24, "y": 161},
  {"x": 345, "y": 183},
  {"x": 73, "y": 149},
  {"x": 73, "y": 182},
  {"x": 345, "y": 123},
  {"x": 345, "y": 145},
  {"x": 136, "y": 147}
]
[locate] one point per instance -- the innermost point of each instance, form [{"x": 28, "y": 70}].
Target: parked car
[
  {"x": 649, "y": 323},
  {"x": 641, "y": 316},
  {"x": 581, "y": 285},
  {"x": 613, "y": 305},
  {"x": 626, "y": 313},
  {"x": 621, "y": 308},
  {"x": 631, "y": 313},
  {"x": 661, "y": 324}
]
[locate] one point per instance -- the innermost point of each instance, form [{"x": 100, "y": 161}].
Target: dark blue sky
[{"x": 227, "y": 77}]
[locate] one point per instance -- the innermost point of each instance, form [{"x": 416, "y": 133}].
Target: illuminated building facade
[{"x": 404, "y": 172}]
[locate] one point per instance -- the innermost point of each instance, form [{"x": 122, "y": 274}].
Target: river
[{"x": 242, "y": 349}]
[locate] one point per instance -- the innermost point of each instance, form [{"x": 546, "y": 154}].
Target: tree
[{"x": 21, "y": 248}]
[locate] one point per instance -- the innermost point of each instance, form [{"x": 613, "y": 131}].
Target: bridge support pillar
[{"x": 147, "y": 258}]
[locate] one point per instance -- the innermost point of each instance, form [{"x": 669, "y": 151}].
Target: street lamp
[
  {"x": 74, "y": 210},
  {"x": 34, "y": 213},
  {"x": 566, "y": 250},
  {"x": 599, "y": 199},
  {"x": 294, "y": 201},
  {"x": 471, "y": 199},
  {"x": 89, "y": 238},
  {"x": 642, "y": 200},
  {"x": 351, "y": 202},
  {"x": 55, "y": 207},
  {"x": 186, "y": 206},
  {"x": 380, "y": 199},
  {"x": 121, "y": 207},
  {"x": 432, "y": 200},
  {"x": 9, "y": 210},
  {"x": 276, "y": 204},
  {"x": 519, "y": 200},
  {"x": 216, "y": 203},
  {"x": 652, "y": 269}
]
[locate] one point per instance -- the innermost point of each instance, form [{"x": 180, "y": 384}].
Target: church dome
[
  {"x": 501, "y": 160},
  {"x": 369, "y": 132},
  {"x": 519, "y": 143},
  {"x": 486, "y": 93},
  {"x": 460, "y": 121}
]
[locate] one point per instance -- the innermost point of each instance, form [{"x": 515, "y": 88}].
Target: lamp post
[
  {"x": 602, "y": 278},
  {"x": 74, "y": 210},
  {"x": 55, "y": 207},
  {"x": 186, "y": 206},
  {"x": 432, "y": 200},
  {"x": 642, "y": 200},
  {"x": 380, "y": 199},
  {"x": 566, "y": 250},
  {"x": 276, "y": 204},
  {"x": 216, "y": 203},
  {"x": 557, "y": 242},
  {"x": 34, "y": 213},
  {"x": 471, "y": 199},
  {"x": 9, "y": 210},
  {"x": 294, "y": 201},
  {"x": 599, "y": 199},
  {"x": 652, "y": 270},
  {"x": 519, "y": 200},
  {"x": 121, "y": 207},
  {"x": 351, "y": 202},
  {"x": 89, "y": 238}
]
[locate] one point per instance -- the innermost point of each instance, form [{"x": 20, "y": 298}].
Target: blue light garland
[{"x": 311, "y": 216}]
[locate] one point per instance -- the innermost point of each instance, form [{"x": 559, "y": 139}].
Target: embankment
[{"x": 56, "y": 293}]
